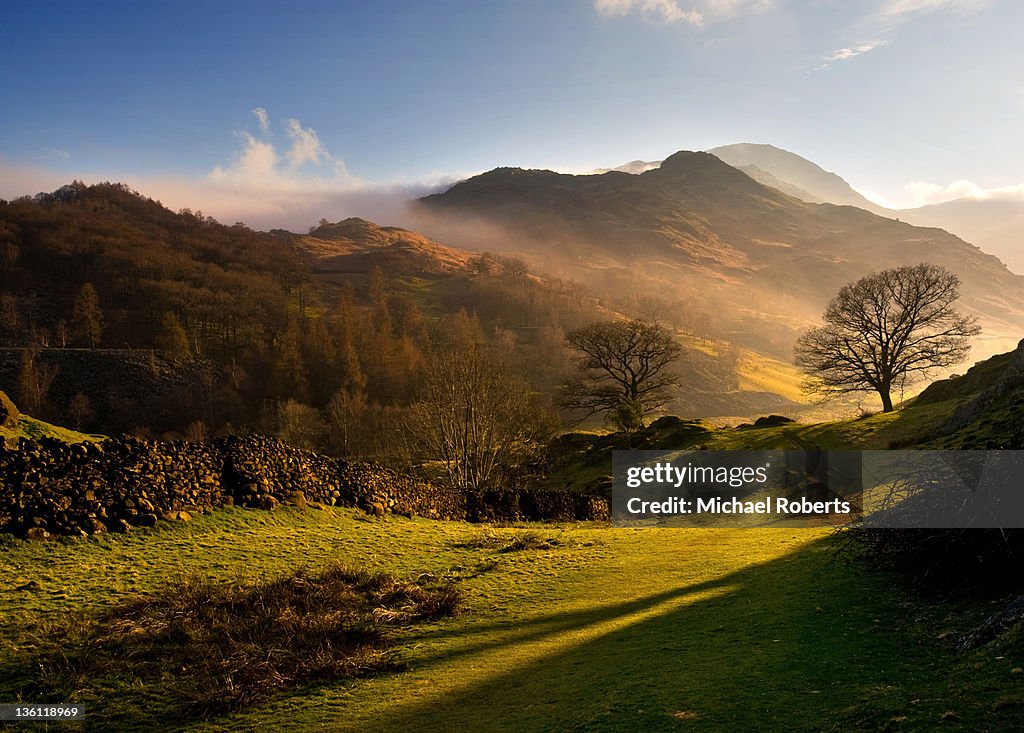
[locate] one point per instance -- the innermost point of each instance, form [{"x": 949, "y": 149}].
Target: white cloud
[
  {"x": 306, "y": 146},
  {"x": 257, "y": 160},
  {"x": 259, "y": 163},
  {"x": 922, "y": 193},
  {"x": 668, "y": 11},
  {"x": 694, "y": 12},
  {"x": 900, "y": 8},
  {"x": 263, "y": 118}
]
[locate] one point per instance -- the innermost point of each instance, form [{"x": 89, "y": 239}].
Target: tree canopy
[
  {"x": 887, "y": 330},
  {"x": 623, "y": 370}
]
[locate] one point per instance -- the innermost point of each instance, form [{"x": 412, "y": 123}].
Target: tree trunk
[{"x": 886, "y": 399}]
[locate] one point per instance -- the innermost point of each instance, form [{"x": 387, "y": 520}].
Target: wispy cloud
[
  {"x": 696, "y": 13},
  {"x": 263, "y": 118},
  {"x": 889, "y": 15},
  {"x": 58, "y": 153},
  {"x": 848, "y": 53},
  {"x": 903, "y": 8},
  {"x": 668, "y": 11},
  {"x": 845, "y": 54}
]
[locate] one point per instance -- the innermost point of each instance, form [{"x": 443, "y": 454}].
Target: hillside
[
  {"x": 980, "y": 409},
  {"x": 119, "y": 315},
  {"x": 759, "y": 262},
  {"x": 994, "y": 224},
  {"x": 357, "y": 246}
]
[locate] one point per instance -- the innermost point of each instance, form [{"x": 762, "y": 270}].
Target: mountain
[
  {"x": 995, "y": 225},
  {"x": 699, "y": 233},
  {"x": 768, "y": 179},
  {"x": 806, "y": 180}
]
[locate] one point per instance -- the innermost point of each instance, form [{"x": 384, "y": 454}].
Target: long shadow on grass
[{"x": 797, "y": 643}]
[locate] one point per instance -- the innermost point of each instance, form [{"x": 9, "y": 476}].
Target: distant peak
[
  {"x": 688, "y": 158},
  {"x": 700, "y": 167}
]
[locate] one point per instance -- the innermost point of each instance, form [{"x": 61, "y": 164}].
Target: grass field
[{"x": 588, "y": 628}]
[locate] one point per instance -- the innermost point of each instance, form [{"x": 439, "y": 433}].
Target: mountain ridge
[{"x": 715, "y": 231}]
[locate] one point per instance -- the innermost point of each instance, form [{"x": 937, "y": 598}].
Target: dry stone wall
[{"x": 55, "y": 488}]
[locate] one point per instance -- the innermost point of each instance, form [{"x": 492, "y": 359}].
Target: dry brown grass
[{"x": 217, "y": 647}]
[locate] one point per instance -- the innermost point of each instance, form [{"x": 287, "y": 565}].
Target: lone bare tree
[
  {"x": 623, "y": 370},
  {"x": 887, "y": 329},
  {"x": 477, "y": 420}
]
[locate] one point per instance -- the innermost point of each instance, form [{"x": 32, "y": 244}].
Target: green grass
[
  {"x": 579, "y": 627},
  {"x": 902, "y": 428},
  {"x": 585, "y": 458},
  {"x": 30, "y": 427}
]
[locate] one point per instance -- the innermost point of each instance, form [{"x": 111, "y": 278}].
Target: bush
[{"x": 947, "y": 561}]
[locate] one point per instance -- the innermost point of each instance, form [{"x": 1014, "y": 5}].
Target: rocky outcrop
[
  {"x": 8, "y": 413},
  {"x": 1010, "y": 379},
  {"x": 55, "y": 488}
]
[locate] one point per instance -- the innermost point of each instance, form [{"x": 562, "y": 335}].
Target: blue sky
[{"x": 362, "y": 103}]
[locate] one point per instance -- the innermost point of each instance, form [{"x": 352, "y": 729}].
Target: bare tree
[
  {"x": 887, "y": 330},
  {"x": 475, "y": 419},
  {"x": 623, "y": 371},
  {"x": 346, "y": 416},
  {"x": 34, "y": 381}
]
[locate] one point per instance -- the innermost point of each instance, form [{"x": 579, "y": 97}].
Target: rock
[
  {"x": 37, "y": 533},
  {"x": 296, "y": 499},
  {"x": 772, "y": 421},
  {"x": 267, "y": 502},
  {"x": 146, "y": 520},
  {"x": 9, "y": 414},
  {"x": 93, "y": 526}
]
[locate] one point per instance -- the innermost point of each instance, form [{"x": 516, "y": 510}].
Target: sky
[{"x": 278, "y": 114}]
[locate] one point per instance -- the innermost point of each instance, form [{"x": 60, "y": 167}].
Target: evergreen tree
[{"x": 87, "y": 317}]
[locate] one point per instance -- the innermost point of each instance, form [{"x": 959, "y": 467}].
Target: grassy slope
[
  {"x": 585, "y": 458},
  {"x": 29, "y": 427},
  {"x": 611, "y": 630}
]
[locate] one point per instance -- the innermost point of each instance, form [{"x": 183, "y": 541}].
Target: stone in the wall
[{"x": 53, "y": 488}]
